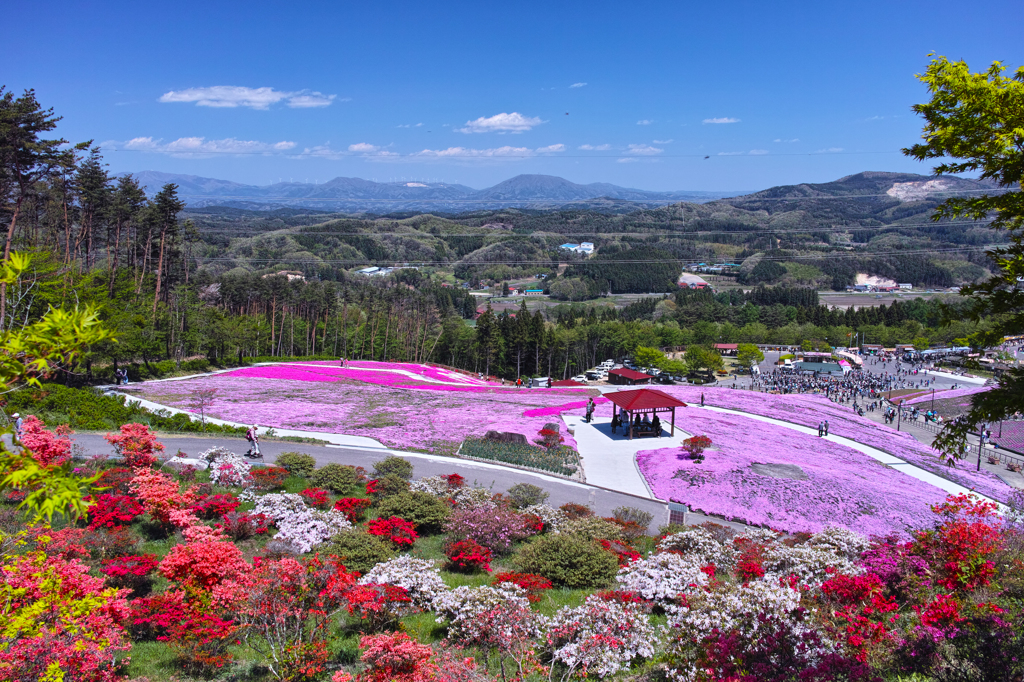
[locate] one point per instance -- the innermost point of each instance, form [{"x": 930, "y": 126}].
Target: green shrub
[
  {"x": 358, "y": 550},
  {"x": 427, "y": 512},
  {"x": 567, "y": 561},
  {"x": 525, "y": 495},
  {"x": 297, "y": 463},
  {"x": 393, "y": 466},
  {"x": 389, "y": 486},
  {"x": 633, "y": 515},
  {"x": 592, "y": 528},
  {"x": 338, "y": 478},
  {"x": 560, "y": 460}
]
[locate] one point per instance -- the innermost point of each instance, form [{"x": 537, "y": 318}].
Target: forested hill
[{"x": 813, "y": 234}]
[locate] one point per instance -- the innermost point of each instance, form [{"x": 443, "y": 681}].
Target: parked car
[
  {"x": 664, "y": 379},
  {"x": 580, "y": 378}
]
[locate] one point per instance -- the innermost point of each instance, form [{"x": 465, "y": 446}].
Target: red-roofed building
[
  {"x": 628, "y": 377},
  {"x": 727, "y": 348},
  {"x": 632, "y": 404}
]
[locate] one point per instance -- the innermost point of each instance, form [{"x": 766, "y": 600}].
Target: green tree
[
  {"x": 974, "y": 123},
  {"x": 699, "y": 358},
  {"x": 748, "y": 355},
  {"x": 649, "y": 357},
  {"x": 921, "y": 343}
]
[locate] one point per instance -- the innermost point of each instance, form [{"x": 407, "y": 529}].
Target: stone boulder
[
  {"x": 506, "y": 437},
  {"x": 179, "y": 463}
]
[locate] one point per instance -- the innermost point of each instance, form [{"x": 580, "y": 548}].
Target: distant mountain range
[{"x": 355, "y": 195}]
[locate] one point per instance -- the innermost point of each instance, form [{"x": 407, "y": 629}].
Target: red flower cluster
[
  {"x": 532, "y": 583},
  {"x": 49, "y": 449},
  {"x": 353, "y": 507},
  {"x": 211, "y": 507},
  {"x": 200, "y": 641},
  {"x": 129, "y": 566},
  {"x": 371, "y": 486},
  {"x": 454, "y": 481},
  {"x": 863, "y": 612},
  {"x": 376, "y": 605},
  {"x": 152, "y": 617},
  {"x": 749, "y": 564},
  {"x": 112, "y": 511},
  {"x": 400, "y": 532},
  {"x": 136, "y": 444},
  {"x": 965, "y": 541},
  {"x": 622, "y": 551},
  {"x": 269, "y": 478},
  {"x": 242, "y": 525},
  {"x": 316, "y": 497},
  {"x": 468, "y": 556}
]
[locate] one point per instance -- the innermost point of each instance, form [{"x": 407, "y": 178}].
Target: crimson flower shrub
[
  {"x": 576, "y": 511},
  {"x": 316, "y": 497},
  {"x": 243, "y": 525},
  {"x": 152, "y": 617},
  {"x": 48, "y": 448},
  {"x": 200, "y": 641},
  {"x": 454, "y": 481},
  {"x": 130, "y": 572},
  {"x": 696, "y": 446},
  {"x": 549, "y": 438},
  {"x": 353, "y": 507},
  {"x": 115, "y": 480},
  {"x": 112, "y": 511},
  {"x": 377, "y": 606},
  {"x": 964, "y": 542},
  {"x": 532, "y": 583},
  {"x": 136, "y": 444},
  {"x": 210, "y": 507},
  {"x": 269, "y": 478},
  {"x": 862, "y": 615},
  {"x": 398, "y": 531},
  {"x": 622, "y": 551},
  {"x": 393, "y": 657},
  {"x": 468, "y": 556},
  {"x": 161, "y": 494}
]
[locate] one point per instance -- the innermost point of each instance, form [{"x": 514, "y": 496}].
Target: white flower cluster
[
  {"x": 463, "y": 606},
  {"x": 733, "y": 610},
  {"x": 700, "y": 546},
  {"x": 303, "y": 527},
  {"x": 600, "y": 637},
  {"x": 662, "y": 577},
  {"x": 420, "y": 578},
  {"x": 552, "y": 517},
  {"x": 438, "y": 487},
  {"x": 227, "y": 468},
  {"x": 833, "y": 548}
]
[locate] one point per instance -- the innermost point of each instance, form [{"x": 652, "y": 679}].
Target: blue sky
[{"x": 636, "y": 94}]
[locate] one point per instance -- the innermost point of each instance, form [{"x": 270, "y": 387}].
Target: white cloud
[
  {"x": 721, "y": 120},
  {"x": 874, "y": 118},
  {"x": 551, "y": 148},
  {"x": 595, "y": 148},
  {"x": 643, "y": 150},
  {"x": 578, "y": 85},
  {"x": 662, "y": 141},
  {"x": 199, "y": 146},
  {"x": 730, "y": 153},
  {"x": 230, "y": 96},
  {"x": 644, "y": 122},
  {"x": 795, "y": 139},
  {"x": 467, "y": 153},
  {"x": 829, "y": 150},
  {"x": 410, "y": 125},
  {"x": 501, "y": 123},
  {"x": 758, "y": 152}
]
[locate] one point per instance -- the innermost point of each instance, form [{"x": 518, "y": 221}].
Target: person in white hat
[{"x": 17, "y": 424}]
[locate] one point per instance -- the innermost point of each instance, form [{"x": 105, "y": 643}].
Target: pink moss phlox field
[
  {"x": 434, "y": 417},
  {"x": 808, "y": 410},
  {"x": 558, "y": 409},
  {"x": 843, "y": 486},
  {"x": 943, "y": 395}
]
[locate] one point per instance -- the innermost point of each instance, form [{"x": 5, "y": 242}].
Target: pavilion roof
[
  {"x": 630, "y": 374},
  {"x": 643, "y": 399}
]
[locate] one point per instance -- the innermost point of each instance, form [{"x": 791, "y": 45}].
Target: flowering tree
[
  {"x": 696, "y": 446},
  {"x": 48, "y": 448},
  {"x": 288, "y": 611},
  {"x": 136, "y": 444}
]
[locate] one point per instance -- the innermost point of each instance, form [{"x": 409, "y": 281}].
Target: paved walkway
[{"x": 609, "y": 460}]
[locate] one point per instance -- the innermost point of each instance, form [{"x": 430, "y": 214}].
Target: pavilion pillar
[
  {"x": 630, "y": 425},
  {"x": 673, "y": 431}
]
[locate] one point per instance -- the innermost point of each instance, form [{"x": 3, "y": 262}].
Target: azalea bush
[
  {"x": 268, "y": 478},
  {"x": 491, "y": 526},
  {"x": 468, "y": 556},
  {"x": 398, "y": 532},
  {"x": 567, "y": 561},
  {"x": 200, "y": 641},
  {"x": 420, "y": 579},
  {"x": 533, "y": 585},
  {"x": 130, "y": 572},
  {"x": 112, "y": 511},
  {"x": 297, "y": 463},
  {"x": 317, "y": 498},
  {"x": 243, "y": 525},
  {"x": 50, "y": 449},
  {"x": 136, "y": 444},
  {"x": 210, "y": 507},
  {"x": 600, "y": 637},
  {"x": 352, "y": 507}
]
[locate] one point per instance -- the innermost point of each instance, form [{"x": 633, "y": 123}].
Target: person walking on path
[
  {"x": 18, "y": 421},
  {"x": 702, "y": 399},
  {"x": 826, "y": 427},
  {"x": 821, "y": 429},
  {"x": 590, "y": 410}
]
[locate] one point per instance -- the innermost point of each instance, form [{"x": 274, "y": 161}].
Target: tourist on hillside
[
  {"x": 656, "y": 426},
  {"x": 616, "y": 422},
  {"x": 826, "y": 427},
  {"x": 821, "y": 429},
  {"x": 702, "y": 399}
]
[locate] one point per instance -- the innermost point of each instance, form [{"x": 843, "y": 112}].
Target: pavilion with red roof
[{"x": 643, "y": 401}]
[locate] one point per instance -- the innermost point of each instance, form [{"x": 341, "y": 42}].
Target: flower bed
[
  {"x": 842, "y": 486},
  {"x": 943, "y": 395},
  {"x": 808, "y": 410},
  {"x": 405, "y": 415},
  {"x": 560, "y": 460}
]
